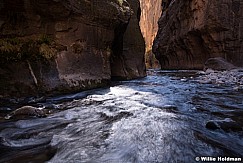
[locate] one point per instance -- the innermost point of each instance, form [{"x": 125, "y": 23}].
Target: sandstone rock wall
[
  {"x": 53, "y": 46},
  {"x": 129, "y": 47},
  {"x": 150, "y": 13},
  {"x": 191, "y": 31}
]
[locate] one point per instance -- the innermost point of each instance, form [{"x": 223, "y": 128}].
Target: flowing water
[{"x": 160, "y": 118}]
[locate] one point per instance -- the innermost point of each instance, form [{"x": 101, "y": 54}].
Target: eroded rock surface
[
  {"x": 190, "y": 32},
  {"x": 61, "y": 46}
]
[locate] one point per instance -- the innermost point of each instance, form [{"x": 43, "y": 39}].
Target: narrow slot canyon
[
  {"x": 121, "y": 81},
  {"x": 150, "y": 13}
]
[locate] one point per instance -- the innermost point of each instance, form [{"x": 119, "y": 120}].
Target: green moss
[
  {"x": 47, "y": 52},
  {"x": 45, "y": 39},
  {"x": 120, "y": 2},
  {"x": 16, "y": 49},
  {"x": 10, "y": 49}
]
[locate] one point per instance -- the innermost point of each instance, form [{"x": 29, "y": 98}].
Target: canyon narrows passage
[
  {"x": 150, "y": 13},
  {"x": 74, "y": 87}
]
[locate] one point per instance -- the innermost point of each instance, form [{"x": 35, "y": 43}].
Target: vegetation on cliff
[{"x": 17, "y": 48}]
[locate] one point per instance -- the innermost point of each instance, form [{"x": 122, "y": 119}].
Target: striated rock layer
[
  {"x": 191, "y": 31},
  {"x": 150, "y": 13},
  {"x": 53, "y": 46}
]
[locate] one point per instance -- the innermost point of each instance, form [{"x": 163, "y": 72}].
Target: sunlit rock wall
[{"x": 150, "y": 13}]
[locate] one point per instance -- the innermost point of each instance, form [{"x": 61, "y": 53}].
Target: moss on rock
[{"x": 18, "y": 49}]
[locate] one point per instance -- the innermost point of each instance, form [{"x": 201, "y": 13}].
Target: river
[{"x": 160, "y": 118}]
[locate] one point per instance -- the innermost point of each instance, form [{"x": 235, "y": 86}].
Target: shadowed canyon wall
[
  {"x": 151, "y": 12},
  {"x": 129, "y": 47},
  {"x": 53, "y": 46},
  {"x": 191, "y": 31}
]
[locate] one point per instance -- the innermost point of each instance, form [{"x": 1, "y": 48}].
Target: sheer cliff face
[
  {"x": 192, "y": 31},
  {"x": 127, "y": 61},
  {"x": 150, "y": 13},
  {"x": 53, "y": 46}
]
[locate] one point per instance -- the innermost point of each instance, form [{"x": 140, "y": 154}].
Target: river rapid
[{"x": 161, "y": 118}]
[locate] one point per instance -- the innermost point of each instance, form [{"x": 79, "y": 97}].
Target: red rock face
[
  {"x": 150, "y": 13},
  {"x": 52, "y": 46},
  {"x": 192, "y": 31}
]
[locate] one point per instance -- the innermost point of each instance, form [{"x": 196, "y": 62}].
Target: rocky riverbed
[{"x": 232, "y": 77}]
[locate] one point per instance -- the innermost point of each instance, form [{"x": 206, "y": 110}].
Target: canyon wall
[
  {"x": 53, "y": 46},
  {"x": 127, "y": 61},
  {"x": 191, "y": 31},
  {"x": 151, "y": 11}
]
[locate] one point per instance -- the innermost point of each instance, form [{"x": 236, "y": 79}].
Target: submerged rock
[
  {"x": 226, "y": 125},
  {"x": 212, "y": 125},
  {"x": 120, "y": 115}
]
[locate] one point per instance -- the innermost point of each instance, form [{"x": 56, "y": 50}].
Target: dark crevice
[
  {"x": 139, "y": 14},
  {"x": 117, "y": 51}
]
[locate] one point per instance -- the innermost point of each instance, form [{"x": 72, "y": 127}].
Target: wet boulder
[
  {"x": 218, "y": 63},
  {"x": 226, "y": 125},
  {"x": 27, "y": 111}
]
